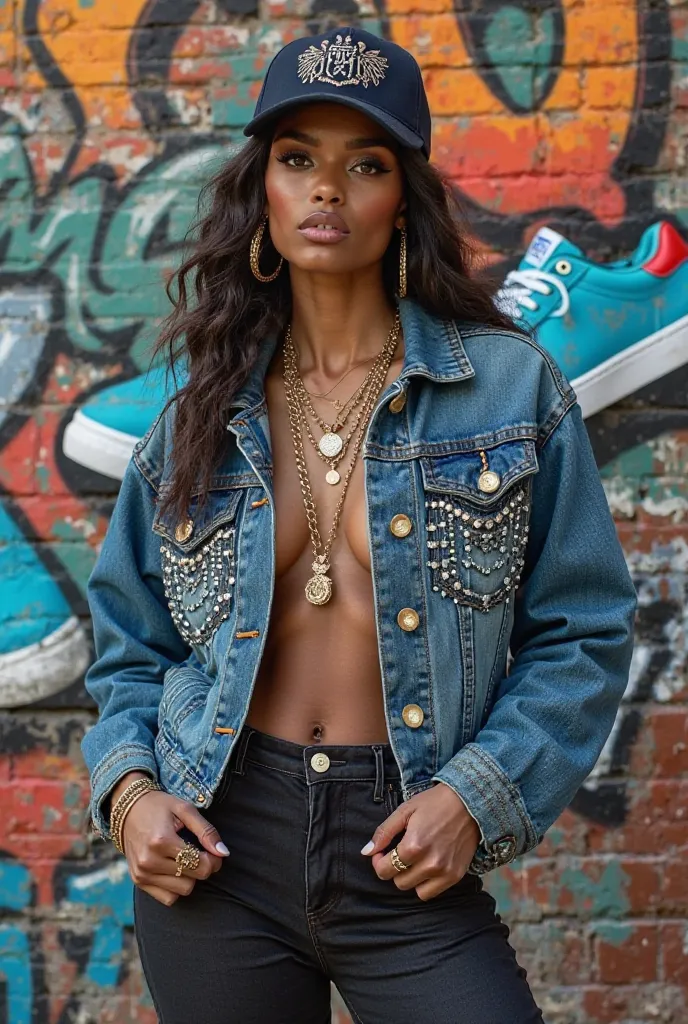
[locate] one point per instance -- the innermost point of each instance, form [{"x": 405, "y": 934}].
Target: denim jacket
[{"x": 503, "y": 606}]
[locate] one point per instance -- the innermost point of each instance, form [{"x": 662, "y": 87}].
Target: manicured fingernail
[
  {"x": 221, "y": 848},
  {"x": 368, "y": 848}
]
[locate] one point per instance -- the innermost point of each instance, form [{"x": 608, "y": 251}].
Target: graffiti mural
[{"x": 570, "y": 113}]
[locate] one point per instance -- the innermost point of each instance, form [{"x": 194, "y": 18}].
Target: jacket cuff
[
  {"x": 495, "y": 803},
  {"x": 128, "y": 758}
]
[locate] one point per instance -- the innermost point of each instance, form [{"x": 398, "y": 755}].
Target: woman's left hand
[{"x": 438, "y": 845}]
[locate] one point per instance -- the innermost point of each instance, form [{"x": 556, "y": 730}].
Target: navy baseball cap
[{"x": 353, "y": 67}]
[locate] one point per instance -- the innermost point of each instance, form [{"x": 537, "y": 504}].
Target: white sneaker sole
[
  {"x": 102, "y": 449},
  {"x": 641, "y": 364},
  {"x": 45, "y": 668}
]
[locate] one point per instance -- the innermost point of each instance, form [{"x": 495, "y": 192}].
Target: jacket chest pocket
[
  {"x": 476, "y": 539},
  {"x": 199, "y": 571}
]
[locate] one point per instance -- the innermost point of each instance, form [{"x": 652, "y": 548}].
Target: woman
[{"x": 370, "y": 489}]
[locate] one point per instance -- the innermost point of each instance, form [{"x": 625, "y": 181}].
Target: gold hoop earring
[
  {"x": 402, "y": 264},
  {"x": 255, "y": 255}
]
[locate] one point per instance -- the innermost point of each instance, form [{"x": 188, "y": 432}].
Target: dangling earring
[
  {"x": 255, "y": 255},
  {"x": 402, "y": 264}
]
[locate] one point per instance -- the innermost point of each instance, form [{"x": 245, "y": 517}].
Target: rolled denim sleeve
[
  {"x": 135, "y": 644},
  {"x": 571, "y": 644}
]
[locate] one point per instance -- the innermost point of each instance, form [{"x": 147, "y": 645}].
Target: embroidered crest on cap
[{"x": 342, "y": 63}]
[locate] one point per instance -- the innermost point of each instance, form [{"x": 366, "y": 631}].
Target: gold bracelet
[
  {"x": 123, "y": 809},
  {"x": 120, "y": 829},
  {"x": 122, "y": 799},
  {"x": 123, "y": 805},
  {"x": 140, "y": 785},
  {"x": 125, "y": 797}
]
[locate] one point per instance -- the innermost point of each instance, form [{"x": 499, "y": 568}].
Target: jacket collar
[{"x": 433, "y": 348}]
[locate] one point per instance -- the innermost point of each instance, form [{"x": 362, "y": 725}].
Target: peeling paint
[{"x": 599, "y": 898}]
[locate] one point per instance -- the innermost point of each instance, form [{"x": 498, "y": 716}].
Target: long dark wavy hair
[{"x": 220, "y": 329}]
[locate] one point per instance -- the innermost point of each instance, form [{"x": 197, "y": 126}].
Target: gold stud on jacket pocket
[
  {"x": 488, "y": 481},
  {"x": 183, "y": 530}
]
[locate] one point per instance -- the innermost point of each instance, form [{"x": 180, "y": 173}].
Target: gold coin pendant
[
  {"x": 332, "y": 477},
  {"x": 330, "y": 444},
  {"x": 319, "y": 589}
]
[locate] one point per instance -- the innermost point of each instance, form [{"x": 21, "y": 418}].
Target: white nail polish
[
  {"x": 221, "y": 848},
  {"x": 369, "y": 847}
]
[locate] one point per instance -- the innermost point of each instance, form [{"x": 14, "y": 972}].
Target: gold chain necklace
[
  {"x": 365, "y": 405},
  {"x": 363, "y": 398},
  {"x": 345, "y": 411},
  {"x": 292, "y": 369},
  {"x": 336, "y": 402},
  {"x": 331, "y": 448},
  {"x": 319, "y": 586}
]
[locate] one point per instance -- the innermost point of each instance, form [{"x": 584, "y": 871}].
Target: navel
[{"x": 318, "y": 731}]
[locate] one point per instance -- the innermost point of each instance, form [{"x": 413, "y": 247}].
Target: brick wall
[{"x": 573, "y": 113}]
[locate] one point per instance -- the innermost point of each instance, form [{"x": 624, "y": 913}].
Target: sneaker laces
[{"x": 520, "y": 284}]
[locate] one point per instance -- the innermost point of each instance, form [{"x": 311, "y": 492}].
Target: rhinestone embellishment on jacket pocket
[
  {"x": 197, "y": 586},
  {"x": 462, "y": 542}
]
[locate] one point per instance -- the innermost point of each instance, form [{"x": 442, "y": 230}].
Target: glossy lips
[{"x": 324, "y": 228}]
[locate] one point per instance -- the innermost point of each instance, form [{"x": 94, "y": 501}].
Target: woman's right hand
[{"x": 151, "y": 844}]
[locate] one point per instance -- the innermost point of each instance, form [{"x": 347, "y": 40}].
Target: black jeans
[{"x": 296, "y": 905}]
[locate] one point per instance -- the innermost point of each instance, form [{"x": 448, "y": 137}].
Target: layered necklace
[{"x": 331, "y": 447}]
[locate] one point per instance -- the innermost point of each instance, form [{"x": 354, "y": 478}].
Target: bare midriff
[{"x": 319, "y": 679}]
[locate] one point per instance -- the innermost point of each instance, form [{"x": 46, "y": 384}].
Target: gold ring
[
  {"x": 188, "y": 857},
  {"x": 397, "y": 862}
]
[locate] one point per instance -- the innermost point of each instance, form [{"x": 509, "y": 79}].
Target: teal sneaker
[
  {"x": 612, "y": 327},
  {"x": 43, "y": 647},
  {"x": 103, "y": 432}
]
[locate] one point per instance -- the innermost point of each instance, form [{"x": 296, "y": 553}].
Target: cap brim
[{"x": 397, "y": 129}]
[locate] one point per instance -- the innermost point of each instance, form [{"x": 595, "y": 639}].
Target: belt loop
[
  {"x": 242, "y": 746},
  {"x": 378, "y": 795}
]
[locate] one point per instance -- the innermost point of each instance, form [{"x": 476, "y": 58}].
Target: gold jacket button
[
  {"x": 401, "y": 525},
  {"x": 320, "y": 762},
  {"x": 183, "y": 531},
  {"x": 408, "y": 619},
  {"x": 489, "y": 481},
  {"x": 413, "y": 716},
  {"x": 398, "y": 402}
]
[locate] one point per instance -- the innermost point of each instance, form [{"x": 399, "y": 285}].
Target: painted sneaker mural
[
  {"x": 105, "y": 429},
  {"x": 612, "y": 327},
  {"x": 52, "y": 345},
  {"x": 43, "y": 647}
]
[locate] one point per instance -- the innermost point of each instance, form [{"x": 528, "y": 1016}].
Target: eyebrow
[
  {"x": 311, "y": 140},
  {"x": 364, "y": 143}
]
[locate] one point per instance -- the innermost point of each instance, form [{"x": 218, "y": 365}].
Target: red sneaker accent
[{"x": 672, "y": 251}]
